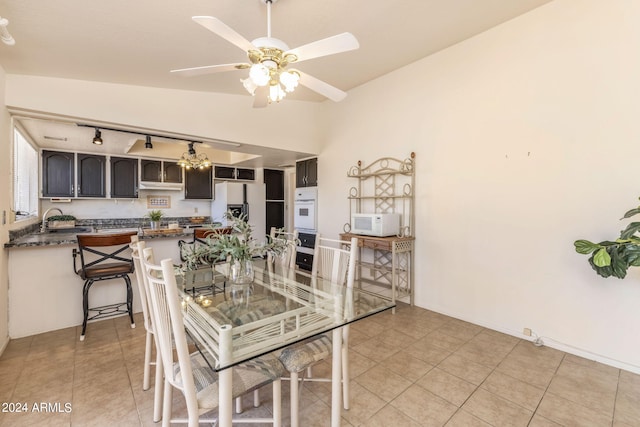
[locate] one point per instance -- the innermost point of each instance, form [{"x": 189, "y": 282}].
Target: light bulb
[
  {"x": 289, "y": 80},
  {"x": 259, "y": 73},
  {"x": 276, "y": 93},
  {"x": 249, "y": 85}
]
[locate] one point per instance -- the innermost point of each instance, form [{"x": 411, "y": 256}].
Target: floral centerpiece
[{"x": 238, "y": 247}]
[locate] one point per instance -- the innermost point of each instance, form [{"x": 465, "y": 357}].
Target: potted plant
[
  {"x": 613, "y": 258},
  {"x": 237, "y": 247},
  {"x": 61, "y": 221},
  {"x": 154, "y": 217}
]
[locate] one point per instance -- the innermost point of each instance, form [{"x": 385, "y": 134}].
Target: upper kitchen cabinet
[
  {"x": 124, "y": 178},
  {"x": 198, "y": 184},
  {"x": 58, "y": 177},
  {"x": 231, "y": 173},
  {"x": 91, "y": 175},
  {"x": 160, "y": 171},
  {"x": 307, "y": 173}
]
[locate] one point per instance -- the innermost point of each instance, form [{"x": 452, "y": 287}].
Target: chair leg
[
  {"x": 256, "y": 398},
  {"x": 130, "y": 300},
  {"x": 294, "y": 399},
  {"x": 85, "y": 306},
  {"x": 147, "y": 362},
  {"x": 166, "y": 404},
  {"x": 239, "y": 405},
  {"x": 277, "y": 403},
  {"x": 345, "y": 367},
  {"x": 157, "y": 394}
]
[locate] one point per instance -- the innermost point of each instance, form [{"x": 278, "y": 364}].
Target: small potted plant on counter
[
  {"x": 61, "y": 221},
  {"x": 154, "y": 217}
]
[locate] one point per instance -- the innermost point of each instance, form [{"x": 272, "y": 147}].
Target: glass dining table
[{"x": 279, "y": 308}]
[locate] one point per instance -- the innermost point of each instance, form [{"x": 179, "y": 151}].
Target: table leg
[
  {"x": 336, "y": 378},
  {"x": 225, "y": 393}
]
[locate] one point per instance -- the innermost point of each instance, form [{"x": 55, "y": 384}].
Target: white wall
[
  {"x": 207, "y": 115},
  {"x": 526, "y": 139},
  {"x": 5, "y": 204}
]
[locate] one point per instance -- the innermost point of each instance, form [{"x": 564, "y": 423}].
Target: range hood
[{"x": 166, "y": 186}]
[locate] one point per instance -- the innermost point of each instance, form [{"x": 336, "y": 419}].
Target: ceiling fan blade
[
  {"x": 260, "y": 97},
  {"x": 223, "y": 30},
  {"x": 331, "y": 92},
  {"x": 209, "y": 69},
  {"x": 331, "y": 45}
]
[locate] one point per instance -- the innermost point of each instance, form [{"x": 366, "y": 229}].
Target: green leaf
[
  {"x": 585, "y": 247},
  {"x": 602, "y": 258},
  {"x": 601, "y": 271},
  {"x": 631, "y": 213},
  {"x": 618, "y": 262},
  {"x": 631, "y": 229}
]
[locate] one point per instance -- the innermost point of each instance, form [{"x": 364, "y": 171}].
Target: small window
[{"x": 25, "y": 177}]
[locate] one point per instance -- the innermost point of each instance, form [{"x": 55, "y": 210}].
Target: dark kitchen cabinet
[
  {"x": 151, "y": 170},
  {"x": 274, "y": 215},
  {"x": 124, "y": 178},
  {"x": 58, "y": 175},
  {"x": 198, "y": 184},
  {"x": 225, "y": 172},
  {"x": 172, "y": 172},
  {"x": 231, "y": 173},
  {"x": 274, "y": 184},
  {"x": 307, "y": 173},
  {"x": 160, "y": 171},
  {"x": 91, "y": 175}
]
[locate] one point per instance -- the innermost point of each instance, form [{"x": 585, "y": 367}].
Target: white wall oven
[{"x": 305, "y": 209}]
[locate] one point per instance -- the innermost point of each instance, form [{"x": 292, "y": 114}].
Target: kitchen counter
[{"x": 58, "y": 238}]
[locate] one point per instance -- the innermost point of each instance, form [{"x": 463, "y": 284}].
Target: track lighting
[
  {"x": 148, "y": 145},
  {"x": 98, "y": 138}
]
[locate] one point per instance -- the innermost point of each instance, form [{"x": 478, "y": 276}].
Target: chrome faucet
[{"x": 43, "y": 227}]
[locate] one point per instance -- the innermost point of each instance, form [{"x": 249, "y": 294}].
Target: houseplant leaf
[
  {"x": 585, "y": 247},
  {"x": 602, "y": 258},
  {"x": 631, "y": 229},
  {"x": 631, "y": 213}
]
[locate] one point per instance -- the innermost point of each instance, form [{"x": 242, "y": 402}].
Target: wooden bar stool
[{"x": 106, "y": 263}]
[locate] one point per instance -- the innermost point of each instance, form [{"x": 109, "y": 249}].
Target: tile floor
[{"x": 414, "y": 368}]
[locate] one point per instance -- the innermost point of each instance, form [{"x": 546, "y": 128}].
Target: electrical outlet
[
  {"x": 195, "y": 210},
  {"x": 526, "y": 331}
]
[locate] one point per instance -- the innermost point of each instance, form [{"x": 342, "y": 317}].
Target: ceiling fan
[{"x": 269, "y": 76}]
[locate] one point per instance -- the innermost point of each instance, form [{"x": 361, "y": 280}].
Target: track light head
[
  {"x": 97, "y": 139},
  {"x": 148, "y": 145}
]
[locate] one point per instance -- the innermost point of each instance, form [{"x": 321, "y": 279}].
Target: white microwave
[{"x": 375, "y": 224}]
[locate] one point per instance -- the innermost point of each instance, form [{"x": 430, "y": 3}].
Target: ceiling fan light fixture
[
  {"x": 289, "y": 80},
  {"x": 249, "y": 85},
  {"x": 276, "y": 94},
  {"x": 97, "y": 139},
  {"x": 259, "y": 74}
]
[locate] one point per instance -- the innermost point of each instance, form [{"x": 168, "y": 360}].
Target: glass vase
[{"x": 241, "y": 272}]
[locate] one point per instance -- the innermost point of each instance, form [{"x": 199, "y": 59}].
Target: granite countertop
[{"x": 58, "y": 238}]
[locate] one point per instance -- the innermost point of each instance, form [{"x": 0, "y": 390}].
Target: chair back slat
[
  {"x": 137, "y": 247},
  {"x": 335, "y": 260},
  {"x": 288, "y": 257}
]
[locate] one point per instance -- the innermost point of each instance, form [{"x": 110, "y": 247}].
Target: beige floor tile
[
  {"x": 484, "y": 351},
  {"x": 406, "y": 365},
  {"x": 447, "y": 386},
  {"x": 540, "y": 421},
  {"x": 568, "y": 413},
  {"x": 465, "y": 369},
  {"x": 464, "y": 419},
  {"x": 376, "y": 350},
  {"x": 496, "y": 411},
  {"x": 514, "y": 390},
  {"x": 445, "y": 341},
  {"x": 519, "y": 368},
  {"x": 427, "y": 351},
  {"x": 627, "y": 405},
  {"x": 424, "y": 407},
  {"x": 390, "y": 416},
  {"x": 363, "y": 404},
  {"x": 383, "y": 383},
  {"x": 459, "y": 329}
]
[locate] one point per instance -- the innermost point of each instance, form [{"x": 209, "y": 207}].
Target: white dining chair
[
  {"x": 288, "y": 258},
  {"x": 137, "y": 250},
  {"x": 333, "y": 260},
  {"x": 190, "y": 373}
]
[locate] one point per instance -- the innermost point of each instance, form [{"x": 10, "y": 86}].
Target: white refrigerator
[{"x": 230, "y": 194}]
